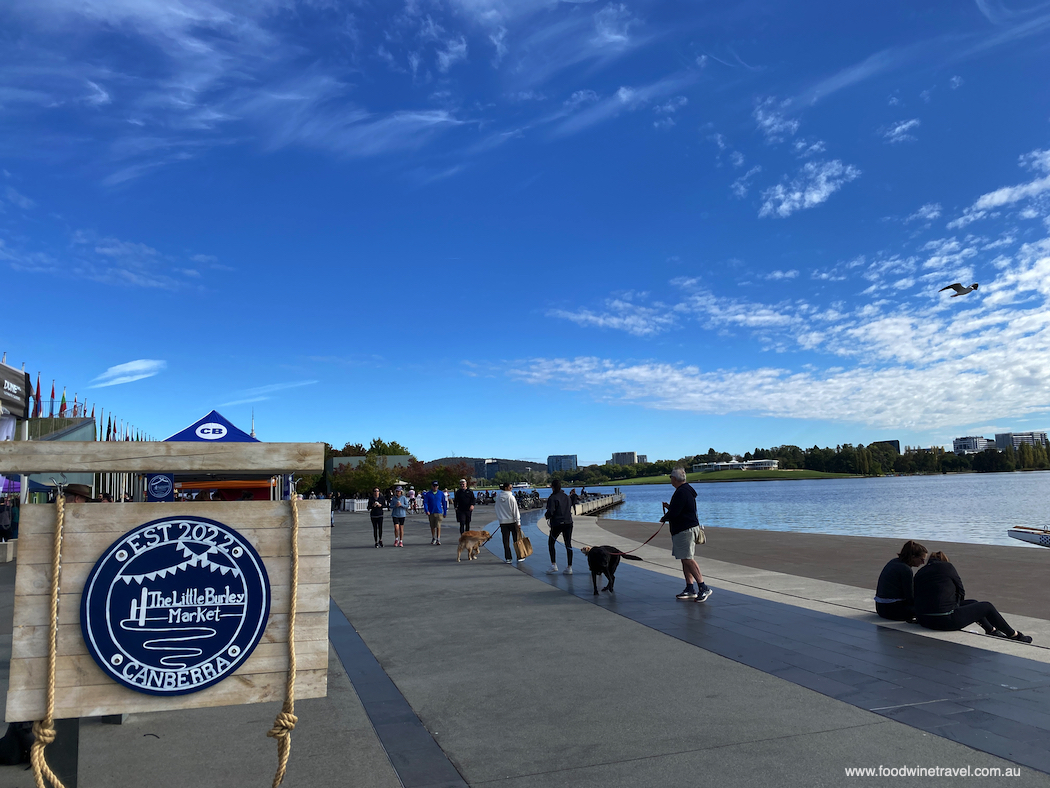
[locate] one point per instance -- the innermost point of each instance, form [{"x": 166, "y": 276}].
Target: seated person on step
[
  {"x": 894, "y": 595},
  {"x": 941, "y": 604}
]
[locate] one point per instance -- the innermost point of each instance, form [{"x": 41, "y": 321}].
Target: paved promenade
[{"x": 480, "y": 673}]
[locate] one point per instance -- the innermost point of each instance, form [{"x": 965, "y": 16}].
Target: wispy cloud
[
  {"x": 1038, "y": 161},
  {"x": 263, "y": 393},
  {"x": 811, "y": 186},
  {"x": 741, "y": 185},
  {"x": 622, "y": 315},
  {"x": 898, "y": 364},
  {"x": 926, "y": 213},
  {"x": 772, "y": 122},
  {"x": 625, "y": 99},
  {"x": 129, "y": 372},
  {"x": 900, "y": 131}
]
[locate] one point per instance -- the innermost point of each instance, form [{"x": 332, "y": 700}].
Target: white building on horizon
[
  {"x": 1015, "y": 439},
  {"x": 972, "y": 444},
  {"x": 737, "y": 465}
]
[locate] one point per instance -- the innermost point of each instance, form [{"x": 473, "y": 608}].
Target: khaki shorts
[
  {"x": 435, "y": 520},
  {"x": 683, "y": 545}
]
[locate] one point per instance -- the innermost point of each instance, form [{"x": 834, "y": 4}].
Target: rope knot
[
  {"x": 283, "y": 725},
  {"x": 42, "y": 734}
]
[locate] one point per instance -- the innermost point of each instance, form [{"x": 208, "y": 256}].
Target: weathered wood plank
[
  {"x": 83, "y": 671},
  {"x": 112, "y": 518},
  {"x": 158, "y": 457},
  {"x": 313, "y": 598},
  {"x": 94, "y": 701},
  {"x": 268, "y": 542}
]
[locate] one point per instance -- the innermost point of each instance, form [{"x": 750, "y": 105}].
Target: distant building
[
  {"x": 972, "y": 444},
  {"x": 1015, "y": 439},
  {"x": 737, "y": 465},
  {"x": 624, "y": 458},
  {"x": 486, "y": 469},
  {"x": 561, "y": 462},
  {"x": 643, "y": 458}
]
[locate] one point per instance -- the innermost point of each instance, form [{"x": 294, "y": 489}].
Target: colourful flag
[
  {"x": 101, "y": 420},
  {"x": 74, "y": 405},
  {"x": 36, "y": 410},
  {"x": 92, "y": 409},
  {"x": 62, "y": 407},
  {"x": 51, "y": 414},
  {"x": 109, "y": 428}
]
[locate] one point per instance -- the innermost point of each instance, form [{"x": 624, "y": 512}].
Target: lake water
[{"x": 973, "y": 507}]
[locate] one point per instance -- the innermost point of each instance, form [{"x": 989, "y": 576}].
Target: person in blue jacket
[{"x": 436, "y": 506}]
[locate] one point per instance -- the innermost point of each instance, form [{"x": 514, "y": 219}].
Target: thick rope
[
  {"x": 285, "y": 722},
  {"x": 44, "y": 730}
]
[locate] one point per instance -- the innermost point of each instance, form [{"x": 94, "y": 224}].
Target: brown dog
[{"x": 471, "y": 541}]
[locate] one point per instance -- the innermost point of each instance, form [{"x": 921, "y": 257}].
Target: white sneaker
[
  {"x": 553, "y": 570},
  {"x": 568, "y": 570},
  {"x": 507, "y": 561}
]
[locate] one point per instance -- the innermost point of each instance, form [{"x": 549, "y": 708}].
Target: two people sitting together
[{"x": 934, "y": 596}]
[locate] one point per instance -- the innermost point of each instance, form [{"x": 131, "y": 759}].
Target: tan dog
[{"x": 471, "y": 541}]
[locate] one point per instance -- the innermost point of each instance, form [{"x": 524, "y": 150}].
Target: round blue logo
[
  {"x": 160, "y": 486},
  {"x": 175, "y": 605}
]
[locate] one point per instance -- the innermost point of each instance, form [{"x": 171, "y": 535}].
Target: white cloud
[
  {"x": 772, "y": 122},
  {"x": 813, "y": 185},
  {"x": 262, "y": 393},
  {"x": 1037, "y": 160},
  {"x": 740, "y": 186},
  {"x": 613, "y": 23},
  {"x": 625, "y": 99},
  {"x": 18, "y": 199},
  {"x": 129, "y": 372},
  {"x": 926, "y": 213},
  {"x": 777, "y": 275},
  {"x": 956, "y": 82},
  {"x": 622, "y": 315},
  {"x": 455, "y": 50},
  {"x": 895, "y": 365},
  {"x": 900, "y": 131}
]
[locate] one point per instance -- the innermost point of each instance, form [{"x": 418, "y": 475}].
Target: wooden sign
[{"x": 184, "y": 571}]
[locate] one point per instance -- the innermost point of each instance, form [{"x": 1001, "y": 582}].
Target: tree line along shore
[{"x": 843, "y": 461}]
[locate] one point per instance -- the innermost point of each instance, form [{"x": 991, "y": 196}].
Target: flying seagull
[{"x": 959, "y": 289}]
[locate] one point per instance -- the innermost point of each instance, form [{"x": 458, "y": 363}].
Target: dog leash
[{"x": 639, "y": 547}]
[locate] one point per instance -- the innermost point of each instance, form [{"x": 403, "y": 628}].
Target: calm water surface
[{"x": 977, "y": 507}]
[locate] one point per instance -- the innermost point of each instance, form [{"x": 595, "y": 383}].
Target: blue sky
[{"x": 522, "y": 227}]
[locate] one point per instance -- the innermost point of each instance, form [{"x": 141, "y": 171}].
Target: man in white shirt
[{"x": 509, "y": 517}]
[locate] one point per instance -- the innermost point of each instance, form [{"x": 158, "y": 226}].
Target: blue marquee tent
[{"x": 213, "y": 428}]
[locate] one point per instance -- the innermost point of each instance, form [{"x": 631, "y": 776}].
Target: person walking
[
  {"x": 559, "y": 519},
  {"x": 436, "y": 506},
  {"x": 464, "y": 501},
  {"x": 680, "y": 515},
  {"x": 509, "y": 517},
  {"x": 398, "y": 512},
  {"x": 375, "y": 512},
  {"x": 412, "y": 499}
]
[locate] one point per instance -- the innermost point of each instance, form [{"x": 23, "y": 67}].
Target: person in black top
[
  {"x": 941, "y": 604},
  {"x": 464, "y": 502},
  {"x": 894, "y": 595},
  {"x": 680, "y": 515},
  {"x": 376, "y": 502},
  {"x": 559, "y": 516}
]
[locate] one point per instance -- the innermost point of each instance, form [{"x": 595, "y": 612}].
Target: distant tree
[
  {"x": 369, "y": 473},
  {"x": 382, "y": 448}
]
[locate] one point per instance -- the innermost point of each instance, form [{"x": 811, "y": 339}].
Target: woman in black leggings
[
  {"x": 941, "y": 603},
  {"x": 375, "y": 511}
]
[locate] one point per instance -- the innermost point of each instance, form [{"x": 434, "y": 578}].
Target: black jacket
[
  {"x": 896, "y": 581},
  {"x": 463, "y": 500},
  {"x": 375, "y": 506},
  {"x": 559, "y": 509},
  {"x": 938, "y": 588},
  {"x": 681, "y": 512}
]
